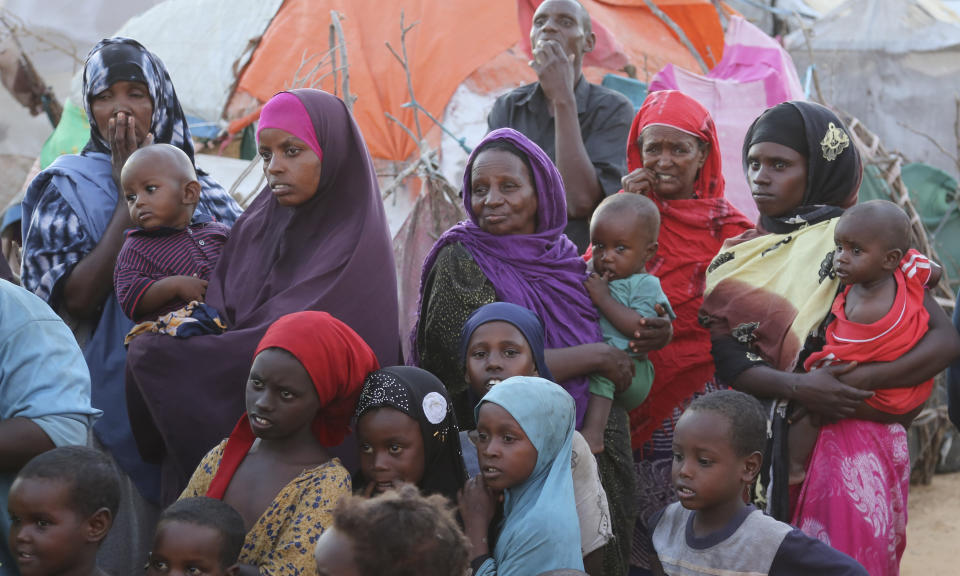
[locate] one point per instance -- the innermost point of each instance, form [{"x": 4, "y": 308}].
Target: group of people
[{"x": 566, "y": 403}]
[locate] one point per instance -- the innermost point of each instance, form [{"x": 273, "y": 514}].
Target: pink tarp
[{"x": 754, "y": 74}]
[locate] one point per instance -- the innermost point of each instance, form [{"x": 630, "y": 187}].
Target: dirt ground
[{"x": 933, "y": 528}]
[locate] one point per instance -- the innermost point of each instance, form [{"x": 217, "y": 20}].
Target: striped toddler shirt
[{"x": 151, "y": 255}]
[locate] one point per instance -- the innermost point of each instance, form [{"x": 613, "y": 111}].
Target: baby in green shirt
[{"x": 623, "y": 236}]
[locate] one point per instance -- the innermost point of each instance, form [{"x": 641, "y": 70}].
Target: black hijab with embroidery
[
  {"x": 834, "y": 169},
  {"x": 421, "y": 396}
]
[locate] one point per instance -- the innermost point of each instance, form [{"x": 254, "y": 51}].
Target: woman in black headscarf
[{"x": 766, "y": 305}]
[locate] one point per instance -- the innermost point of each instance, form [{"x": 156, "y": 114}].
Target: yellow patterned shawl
[{"x": 770, "y": 291}]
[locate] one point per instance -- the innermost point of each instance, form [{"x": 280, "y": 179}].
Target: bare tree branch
[
  {"x": 406, "y": 68},
  {"x": 930, "y": 139}
]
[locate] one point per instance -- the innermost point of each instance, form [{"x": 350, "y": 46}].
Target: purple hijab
[
  {"x": 541, "y": 271},
  {"x": 332, "y": 253}
]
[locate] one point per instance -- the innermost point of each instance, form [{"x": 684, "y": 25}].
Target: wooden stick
[
  {"x": 816, "y": 77},
  {"x": 336, "y": 22},
  {"x": 332, "y": 42},
  {"x": 678, "y": 31}
]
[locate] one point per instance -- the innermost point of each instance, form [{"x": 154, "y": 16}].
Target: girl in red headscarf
[
  {"x": 674, "y": 158},
  {"x": 274, "y": 468}
]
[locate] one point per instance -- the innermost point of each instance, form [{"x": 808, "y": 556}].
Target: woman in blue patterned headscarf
[{"x": 74, "y": 218}]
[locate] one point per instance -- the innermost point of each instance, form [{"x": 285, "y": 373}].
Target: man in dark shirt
[{"x": 583, "y": 127}]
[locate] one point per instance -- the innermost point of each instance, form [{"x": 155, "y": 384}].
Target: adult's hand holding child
[{"x": 652, "y": 333}]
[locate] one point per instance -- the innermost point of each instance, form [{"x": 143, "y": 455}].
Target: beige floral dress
[{"x": 281, "y": 542}]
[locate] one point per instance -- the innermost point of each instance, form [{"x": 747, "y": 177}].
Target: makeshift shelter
[
  {"x": 253, "y": 49},
  {"x": 443, "y": 52},
  {"x": 895, "y": 65}
]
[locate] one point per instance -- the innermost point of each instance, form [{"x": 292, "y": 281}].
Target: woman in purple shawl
[
  {"x": 512, "y": 249},
  {"x": 290, "y": 251}
]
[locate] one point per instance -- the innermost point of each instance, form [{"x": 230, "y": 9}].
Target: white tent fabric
[
  {"x": 224, "y": 33},
  {"x": 895, "y": 65},
  {"x": 74, "y": 31}
]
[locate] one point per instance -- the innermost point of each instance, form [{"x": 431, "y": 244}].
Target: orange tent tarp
[
  {"x": 451, "y": 40},
  {"x": 697, "y": 18},
  {"x": 454, "y": 40}
]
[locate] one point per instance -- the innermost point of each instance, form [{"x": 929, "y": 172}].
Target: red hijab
[
  {"x": 691, "y": 234},
  {"x": 336, "y": 359}
]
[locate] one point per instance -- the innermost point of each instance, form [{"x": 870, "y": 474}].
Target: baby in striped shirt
[{"x": 167, "y": 259}]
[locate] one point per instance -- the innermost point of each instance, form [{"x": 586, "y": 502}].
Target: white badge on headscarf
[{"x": 434, "y": 407}]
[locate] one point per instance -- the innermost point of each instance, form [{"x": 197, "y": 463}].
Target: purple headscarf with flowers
[{"x": 541, "y": 271}]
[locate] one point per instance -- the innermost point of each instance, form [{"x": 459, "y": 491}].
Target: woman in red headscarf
[
  {"x": 274, "y": 468},
  {"x": 674, "y": 158}
]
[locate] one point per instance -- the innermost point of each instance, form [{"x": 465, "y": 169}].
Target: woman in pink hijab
[{"x": 315, "y": 238}]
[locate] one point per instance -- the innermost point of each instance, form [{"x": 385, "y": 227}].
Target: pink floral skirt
[{"x": 854, "y": 497}]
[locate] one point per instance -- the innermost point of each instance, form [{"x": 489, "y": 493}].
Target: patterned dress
[{"x": 281, "y": 542}]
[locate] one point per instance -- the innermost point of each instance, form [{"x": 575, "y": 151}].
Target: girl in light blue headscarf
[{"x": 525, "y": 427}]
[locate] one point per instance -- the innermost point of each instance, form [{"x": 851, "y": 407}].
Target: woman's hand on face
[
  {"x": 617, "y": 367},
  {"x": 652, "y": 333},
  {"x": 122, "y": 137},
  {"x": 477, "y": 504},
  {"x": 640, "y": 181},
  {"x": 822, "y": 392}
]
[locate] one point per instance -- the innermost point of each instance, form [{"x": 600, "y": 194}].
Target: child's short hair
[
  {"x": 213, "y": 513},
  {"x": 93, "y": 481},
  {"x": 403, "y": 534},
  {"x": 886, "y": 216},
  {"x": 748, "y": 420},
  {"x": 642, "y": 207}
]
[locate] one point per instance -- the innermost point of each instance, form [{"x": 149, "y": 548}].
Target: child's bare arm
[
  {"x": 867, "y": 412},
  {"x": 161, "y": 292},
  {"x": 623, "y": 318}
]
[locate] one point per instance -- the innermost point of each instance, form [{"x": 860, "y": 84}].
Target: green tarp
[
  {"x": 934, "y": 195},
  {"x": 70, "y": 137}
]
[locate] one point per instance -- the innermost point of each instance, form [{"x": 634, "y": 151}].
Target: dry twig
[
  {"x": 930, "y": 139},
  {"x": 406, "y": 68},
  {"x": 426, "y": 164},
  {"x": 16, "y": 27}
]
